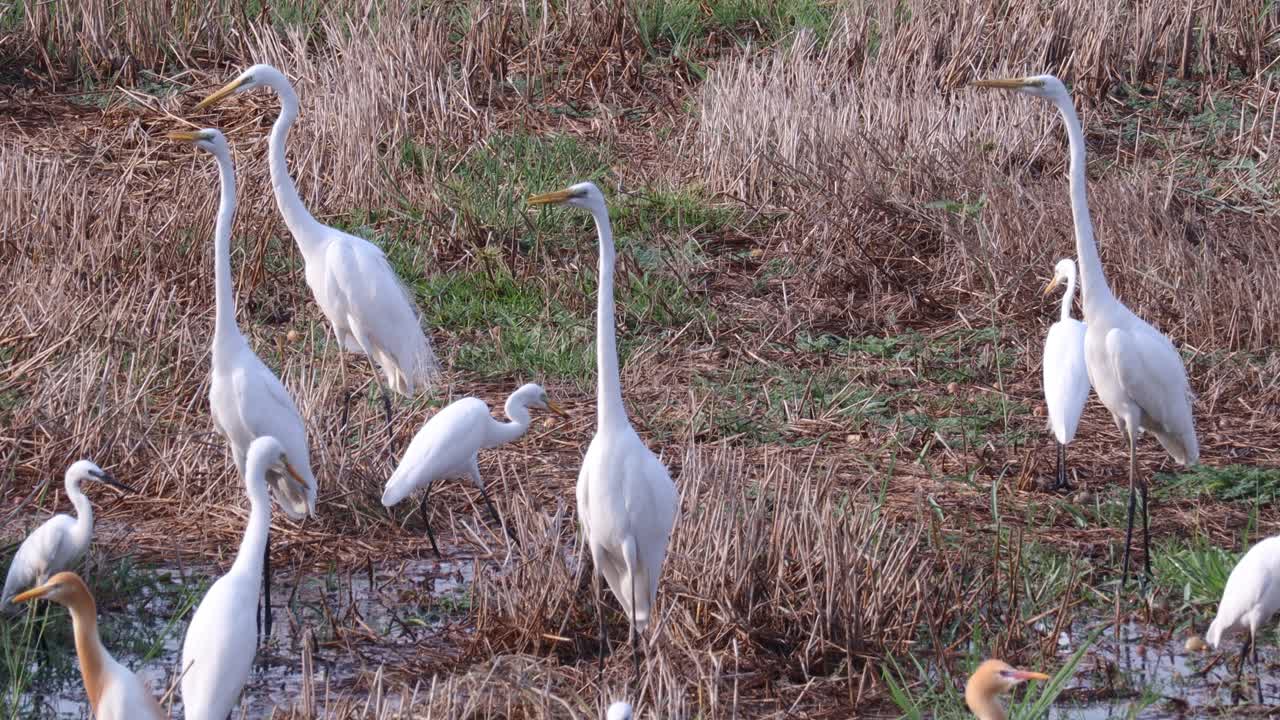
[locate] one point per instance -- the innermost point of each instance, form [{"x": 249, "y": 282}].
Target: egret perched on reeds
[
  {"x": 1066, "y": 379},
  {"x": 992, "y": 679},
  {"x": 115, "y": 693},
  {"x": 626, "y": 501},
  {"x": 449, "y": 444},
  {"x": 1250, "y": 598},
  {"x": 1135, "y": 370},
  {"x": 369, "y": 309},
  {"x": 59, "y": 541},
  {"x": 246, "y": 398},
  {"x": 218, "y": 651}
]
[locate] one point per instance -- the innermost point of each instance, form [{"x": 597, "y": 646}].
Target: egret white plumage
[
  {"x": 369, "y": 309},
  {"x": 449, "y": 444},
  {"x": 1066, "y": 379},
  {"x": 218, "y": 651},
  {"x": 1135, "y": 370},
  {"x": 246, "y": 398},
  {"x": 1249, "y": 600},
  {"x": 59, "y": 541},
  {"x": 992, "y": 679},
  {"x": 626, "y": 501},
  {"x": 115, "y": 693}
]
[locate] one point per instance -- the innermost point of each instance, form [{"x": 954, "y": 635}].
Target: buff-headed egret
[
  {"x": 1135, "y": 370},
  {"x": 449, "y": 444},
  {"x": 218, "y": 651},
  {"x": 59, "y": 541},
  {"x": 992, "y": 679},
  {"x": 626, "y": 501},
  {"x": 115, "y": 693},
  {"x": 1066, "y": 379},
  {"x": 246, "y": 399},
  {"x": 1249, "y": 600},
  {"x": 359, "y": 293}
]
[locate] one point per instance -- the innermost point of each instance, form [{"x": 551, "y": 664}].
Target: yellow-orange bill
[
  {"x": 550, "y": 198},
  {"x": 554, "y": 407},
  {"x": 224, "y": 91},
  {"x": 1028, "y": 675},
  {"x": 34, "y": 593},
  {"x": 1004, "y": 83},
  {"x": 1052, "y": 284},
  {"x": 183, "y": 135}
]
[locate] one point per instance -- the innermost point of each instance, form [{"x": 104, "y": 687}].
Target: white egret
[
  {"x": 619, "y": 711},
  {"x": 357, "y": 290},
  {"x": 626, "y": 501},
  {"x": 1066, "y": 379},
  {"x": 114, "y": 692},
  {"x": 1135, "y": 370},
  {"x": 59, "y": 541},
  {"x": 246, "y": 398},
  {"x": 992, "y": 679},
  {"x": 218, "y": 651},
  {"x": 448, "y": 446},
  {"x": 1250, "y": 598}
]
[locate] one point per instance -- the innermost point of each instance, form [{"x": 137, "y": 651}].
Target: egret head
[
  {"x": 532, "y": 395},
  {"x": 267, "y": 452},
  {"x": 259, "y": 75},
  {"x": 992, "y": 679},
  {"x": 619, "y": 711},
  {"x": 1042, "y": 86},
  {"x": 85, "y": 470},
  {"x": 584, "y": 195},
  {"x": 61, "y": 588},
  {"x": 1063, "y": 272},
  {"x": 211, "y": 140}
]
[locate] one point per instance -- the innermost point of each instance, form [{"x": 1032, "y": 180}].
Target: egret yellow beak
[
  {"x": 554, "y": 407},
  {"x": 184, "y": 136},
  {"x": 1028, "y": 675},
  {"x": 1006, "y": 83},
  {"x": 297, "y": 479},
  {"x": 1055, "y": 282},
  {"x": 220, "y": 94},
  {"x": 551, "y": 198},
  {"x": 34, "y": 593}
]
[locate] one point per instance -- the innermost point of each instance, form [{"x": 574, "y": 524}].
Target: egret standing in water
[
  {"x": 218, "y": 651},
  {"x": 448, "y": 446},
  {"x": 114, "y": 692},
  {"x": 626, "y": 501},
  {"x": 992, "y": 679},
  {"x": 370, "y": 311},
  {"x": 1249, "y": 600},
  {"x": 246, "y": 398},
  {"x": 1135, "y": 370},
  {"x": 61, "y": 540},
  {"x": 1066, "y": 379}
]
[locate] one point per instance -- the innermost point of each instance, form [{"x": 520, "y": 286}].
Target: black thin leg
[
  {"x": 266, "y": 592},
  {"x": 427, "y": 520},
  {"x": 1146, "y": 533},
  {"x": 604, "y": 635},
  {"x": 1128, "y": 537},
  {"x": 1062, "y": 483},
  {"x": 494, "y": 512},
  {"x": 346, "y": 409},
  {"x": 635, "y": 635},
  {"x": 1257, "y": 672},
  {"x": 386, "y": 406},
  {"x": 1244, "y": 655}
]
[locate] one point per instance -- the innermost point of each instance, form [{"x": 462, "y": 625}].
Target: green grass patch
[
  {"x": 1193, "y": 574},
  {"x": 1230, "y": 483}
]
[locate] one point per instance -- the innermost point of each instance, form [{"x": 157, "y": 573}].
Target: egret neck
[
  {"x": 83, "y": 530},
  {"x": 304, "y": 228},
  {"x": 609, "y": 409},
  {"x": 1093, "y": 284},
  {"x": 253, "y": 546},
  {"x": 504, "y": 432},
  {"x": 1069, "y": 297},
  {"x": 84, "y": 624},
  {"x": 225, "y": 332}
]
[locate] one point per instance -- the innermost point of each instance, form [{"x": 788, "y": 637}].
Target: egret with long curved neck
[
  {"x": 357, "y": 290},
  {"x": 626, "y": 501},
  {"x": 1066, "y": 379},
  {"x": 218, "y": 650},
  {"x": 246, "y": 399},
  {"x": 1135, "y": 370},
  {"x": 449, "y": 444},
  {"x": 59, "y": 541},
  {"x": 114, "y": 692}
]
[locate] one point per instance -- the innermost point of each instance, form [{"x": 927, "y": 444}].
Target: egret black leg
[
  {"x": 1146, "y": 533},
  {"x": 346, "y": 409},
  {"x": 386, "y": 406},
  {"x": 604, "y": 635},
  {"x": 426, "y": 520},
  {"x": 1257, "y": 671},
  {"x": 496, "y": 518},
  {"x": 266, "y": 592},
  {"x": 1062, "y": 483},
  {"x": 635, "y": 635},
  {"x": 1128, "y": 531}
]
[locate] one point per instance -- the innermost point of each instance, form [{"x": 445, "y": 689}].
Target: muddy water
[{"x": 382, "y": 613}]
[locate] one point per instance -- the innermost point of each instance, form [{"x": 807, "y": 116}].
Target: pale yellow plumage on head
[{"x": 992, "y": 679}]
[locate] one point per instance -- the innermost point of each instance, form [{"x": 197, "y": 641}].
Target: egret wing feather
[
  {"x": 1066, "y": 377},
  {"x": 46, "y": 551},
  {"x": 223, "y": 637},
  {"x": 1251, "y": 593},
  {"x": 445, "y": 446},
  {"x": 1151, "y": 374},
  {"x": 265, "y": 408},
  {"x": 126, "y": 697}
]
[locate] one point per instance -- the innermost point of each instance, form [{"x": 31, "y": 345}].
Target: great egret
[
  {"x": 59, "y": 541},
  {"x": 114, "y": 692},
  {"x": 1251, "y": 597},
  {"x": 1066, "y": 379},
  {"x": 619, "y": 711},
  {"x": 449, "y": 443},
  {"x": 626, "y": 501},
  {"x": 218, "y": 652},
  {"x": 246, "y": 399},
  {"x": 992, "y": 679},
  {"x": 1135, "y": 370},
  {"x": 370, "y": 310}
]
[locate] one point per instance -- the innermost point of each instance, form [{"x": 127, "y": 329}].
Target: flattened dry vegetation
[{"x": 830, "y": 257}]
